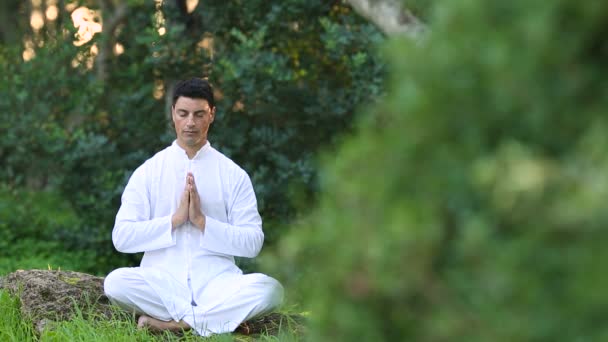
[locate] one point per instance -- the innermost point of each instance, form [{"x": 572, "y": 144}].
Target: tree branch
[{"x": 390, "y": 16}]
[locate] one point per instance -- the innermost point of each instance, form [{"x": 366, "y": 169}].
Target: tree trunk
[
  {"x": 14, "y": 21},
  {"x": 112, "y": 15}
]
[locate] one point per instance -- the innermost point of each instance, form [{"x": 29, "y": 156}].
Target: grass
[{"x": 13, "y": 327}]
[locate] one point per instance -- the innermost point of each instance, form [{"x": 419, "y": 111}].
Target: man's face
[{"x": 192, "y": 118}]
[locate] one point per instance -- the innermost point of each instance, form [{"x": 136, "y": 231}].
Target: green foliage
[
  {"x": 290, "y": 76},
  {"x": 12, "y": 326},
  {"x": 40, "y": 230},
  {"x": 470, "y": 204}
]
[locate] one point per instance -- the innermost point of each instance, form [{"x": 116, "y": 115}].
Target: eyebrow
[{"x": 196, "y": 112}]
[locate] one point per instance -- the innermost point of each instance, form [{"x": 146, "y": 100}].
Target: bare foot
[
  {"x": 147, "y": 322},
  {"x": 243, "y": 329}
]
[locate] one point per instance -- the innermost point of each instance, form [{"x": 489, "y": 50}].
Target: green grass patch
[
  {"x": 122, "y": 327},
  {"x": 12, "y": 326}
]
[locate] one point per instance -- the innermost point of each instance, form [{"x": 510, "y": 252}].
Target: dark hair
[{"x": 194, "y": 88}]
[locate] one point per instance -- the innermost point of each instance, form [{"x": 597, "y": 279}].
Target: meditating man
[{"x": 191, "y": 210}]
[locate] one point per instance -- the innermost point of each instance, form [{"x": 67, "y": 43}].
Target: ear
[
  {"x": 173, "y": 114},
  {"x": 212, "y": 114}
]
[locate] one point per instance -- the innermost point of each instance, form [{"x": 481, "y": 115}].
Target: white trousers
[{"x": 130, "y": 289}]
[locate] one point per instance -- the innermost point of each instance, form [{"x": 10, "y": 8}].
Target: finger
[
  {"x": 186, "y": 196},
  {"x": 192, "y": 201}
]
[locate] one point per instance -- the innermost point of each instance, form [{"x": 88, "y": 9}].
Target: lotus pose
[{"x": 191, "y": 210}]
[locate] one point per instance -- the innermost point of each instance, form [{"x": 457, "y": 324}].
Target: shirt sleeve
[
  {"x": 134, "y": 231},
  {"x": 242, "y": 235}
]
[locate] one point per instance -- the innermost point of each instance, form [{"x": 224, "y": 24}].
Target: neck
[{"x": 191, "y": 151}]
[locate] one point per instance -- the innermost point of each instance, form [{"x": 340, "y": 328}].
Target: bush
[
  {"x": 470, "y": 205},
  {"x": 40, "y": 230},
  {"x": 289, "y": 76}
]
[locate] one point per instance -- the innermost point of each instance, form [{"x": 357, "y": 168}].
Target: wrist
[
  {"x": 200, "y": 222},
  {"x": 175, "y": 222}
]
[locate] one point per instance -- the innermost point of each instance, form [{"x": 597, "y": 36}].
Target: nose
[{"x": 190, "y": 121}]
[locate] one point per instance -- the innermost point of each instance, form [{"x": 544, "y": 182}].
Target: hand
[
  {"x": 181, "y": 214},
  {"x": 194, "y": 213}
]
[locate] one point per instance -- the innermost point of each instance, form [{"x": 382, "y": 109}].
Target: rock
[{"x": 48, "y": 296}]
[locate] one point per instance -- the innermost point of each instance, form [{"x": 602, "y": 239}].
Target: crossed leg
[{"x": 134, "y": 289}]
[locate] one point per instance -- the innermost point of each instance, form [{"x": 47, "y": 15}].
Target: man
[{"x": 191, "y": 210}]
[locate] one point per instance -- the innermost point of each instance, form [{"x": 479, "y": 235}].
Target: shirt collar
[{"x": 181, "y": 152}]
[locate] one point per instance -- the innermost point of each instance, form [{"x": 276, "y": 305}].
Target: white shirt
[{"x": 233, "y": 225}]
